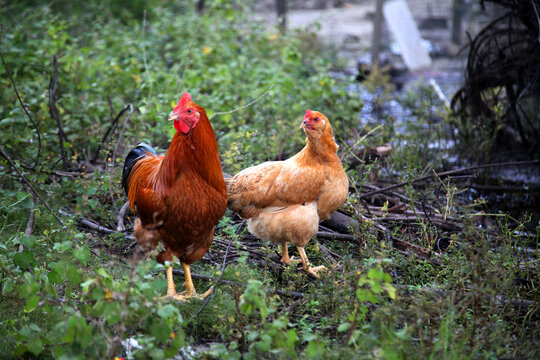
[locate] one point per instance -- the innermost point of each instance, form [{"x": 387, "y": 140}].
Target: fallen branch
[
  {"x": 520, "y": 305},
  {"x": 121, "y": 214},
  {"x": 92, "y": 225},
  {"x": 293, "y": 294},
  {"x": 451, "y": 172}
]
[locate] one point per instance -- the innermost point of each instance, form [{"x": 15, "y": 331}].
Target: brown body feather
[{"x": 181, "y": 196}]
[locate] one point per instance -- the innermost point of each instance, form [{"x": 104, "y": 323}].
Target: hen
[
  {"x": 180, "y": 196},
  {"x": 283, "y": 201}
]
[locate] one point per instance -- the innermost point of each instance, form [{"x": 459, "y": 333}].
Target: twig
[
  {"x": 337, "y": 236},
  {"x": 293, "y": 294},
  {"x": 130, "y": 107},
  {"x": 29, "y": 225},
  {"x": 29, "y": 185},
  {"x": 110, "y": 130},
  {"x": 222, "y": 270},
  {"x": 521, "y": 305},
  {"x": 70, "y": 174},
  {"x": 244, "y": 106},
  {"x": 53, "y": 110},
  {"x": 121, "y": 226},
  {"x": 21, "y": 102},
  {"x": 451, "y": 172}
]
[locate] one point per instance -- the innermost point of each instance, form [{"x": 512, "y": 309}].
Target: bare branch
[
  {"x": 53, "y": 110},
  {"x": 451, "y": 172},
  {"x": 21, "y": 102},
  {"x": 27, "y": 183}
]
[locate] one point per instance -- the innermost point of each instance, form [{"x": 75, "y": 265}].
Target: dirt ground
[{"x": 348, "y": 26}]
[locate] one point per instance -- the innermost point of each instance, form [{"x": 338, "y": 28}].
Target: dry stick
[
  {"x": 113, "y": 158},
  {"x": 109, "y": 131},
  {"x": 32, "y": 190},
  {"x": 53, "y": 110},
  {"x": 130, "y": 107},
  {"x": 231, "y": 282},
  {"x": 92, "y": 225},
  {"x": 21, "y": 102},
  {"x": 451, "y": 172},
  {"x": 121, "y": 226},
  {"x": 521, "y": 305},
  {"x": 222, "y": 270},
  {"x": 29, "y": 225}
]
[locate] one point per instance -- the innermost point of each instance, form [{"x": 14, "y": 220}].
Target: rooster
[
  {"x": 180, "y": 196},
  {"x": 283, "y": 201}
]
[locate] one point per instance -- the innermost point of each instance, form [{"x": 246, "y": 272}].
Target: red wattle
[{"x": 181, "y": 126}]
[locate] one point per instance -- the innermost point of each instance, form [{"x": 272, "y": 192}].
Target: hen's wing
[{"x": 274, "y": 183}]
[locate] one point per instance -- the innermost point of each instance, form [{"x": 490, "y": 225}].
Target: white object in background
[{"x": 402, "y": 26}]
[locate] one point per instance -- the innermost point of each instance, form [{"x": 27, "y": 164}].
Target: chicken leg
[
  {"x": 190, "y": 289},
  {"x": 313, "y": 270},
  {"x": 285, "y": 255}
]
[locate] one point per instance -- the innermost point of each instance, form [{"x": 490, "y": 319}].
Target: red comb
[
  {"x": 308, "y": 112},
  {"x": 185, "y": 99}
]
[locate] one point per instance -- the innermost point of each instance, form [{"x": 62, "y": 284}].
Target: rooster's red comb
[
  {"x": 308, "y": 113},
  {"x": 185, "y": 99}
]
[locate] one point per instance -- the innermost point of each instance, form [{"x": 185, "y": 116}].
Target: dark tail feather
[{"x": 140, "y": 151}]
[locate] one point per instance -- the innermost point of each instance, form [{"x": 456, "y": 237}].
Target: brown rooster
[
  {"x": 285, "y": 200},
  {"x": 180, "y": 196}
]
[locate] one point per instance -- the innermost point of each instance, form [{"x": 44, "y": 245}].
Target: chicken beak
[
  {"x": 303, "y": 124},
  {"x": 173, "y": 116}
]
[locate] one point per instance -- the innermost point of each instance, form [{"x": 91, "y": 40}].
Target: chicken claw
[
  {"x": 285, "y": 255},
  {"x": 313, "y": 270},
  {"x": 190, "y": 289}
]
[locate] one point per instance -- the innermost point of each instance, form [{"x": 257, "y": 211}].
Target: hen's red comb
[{"x": 308, "y": 113}]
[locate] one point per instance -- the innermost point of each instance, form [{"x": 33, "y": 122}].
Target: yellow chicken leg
[
  {"x": 313, "y": 270},
  {"x": 190, "y": 289},
  {"x": 285, "y": 255}
]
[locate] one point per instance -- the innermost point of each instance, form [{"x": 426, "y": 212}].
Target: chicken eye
[
  {"x": 189, "y": 111},
  {"x": 316, "y": 119}
]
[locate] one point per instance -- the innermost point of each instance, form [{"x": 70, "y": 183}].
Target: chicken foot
[
  {"x": 313, "y": 270},
  {"x": 285, "y": 255},
  {"x": 190, "y": 289}
]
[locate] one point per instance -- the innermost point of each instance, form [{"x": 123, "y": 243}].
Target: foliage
[{"x": 70, "y": 293}]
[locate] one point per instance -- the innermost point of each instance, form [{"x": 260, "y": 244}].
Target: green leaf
[
  {"x": 28, "y": 241},
  {"x": 168, "y": 311},
  {"x": 344, "y": 327},
  {"x": 35, "y": 345},
  {"x": 160, "y": 330},
  {"x": 32, "y": 303},
  {"x": 24, "y": 258},
  {"x": 73, "y": 274},
  {"x": 7, "y": 286},
  {"x": 82, "y": 254},
  {"x": 55, "y": 277}
]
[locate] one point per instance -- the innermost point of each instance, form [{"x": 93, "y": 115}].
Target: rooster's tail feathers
[{"x": 140, "y": 151}]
